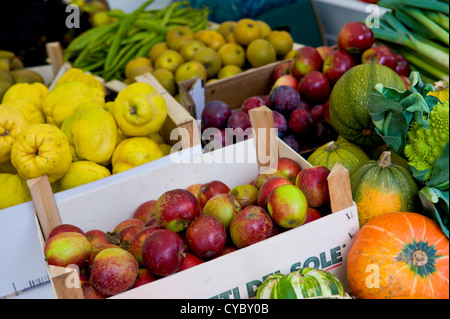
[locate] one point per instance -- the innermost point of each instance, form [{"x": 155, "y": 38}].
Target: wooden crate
[{"x": 303, "y": 246}]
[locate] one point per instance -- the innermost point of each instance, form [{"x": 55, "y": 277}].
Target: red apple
[
  {"x": 96, "y": 237},
  {"x": 246, "y": 194},
  {"x": 223, "y": 207},
  {"x": 206, "y": 236},
  {"x": 268, "y": 187},
  {"x": 251, "y": 103},
  {"x": 127, "y": 222},
  {"x": 281, "y": 69},
  {"x": 190, "y": 260},
  {"x": 194, "y": 188},
  {"x": 114, "y": 271},
  {"x": 63, "y": 228},
  {"x": 67, "y": 248},
  {"x": 313, "y": 183},
  {"x": 152, "y": 222},
  {"x": 306, "y": 61},
  {"x": 287, "y": 206},
  {"x": 267, "y": 174},
  {"x": 402, "y": 67},
  {"x": 314, "y": 88},
  {"x": 163, "y": 252},
  {"x": 145, "y": 210},
  {"x": 90, "y": 292},
  {"x": 287, "y": 79},
  {"x": 326, "y": 111},
  {"x": 95, "y": 252},
  {"x": 289, "y": 167},
  {"x": 127, "y": 233},
  {"x": 227, "y": 250},
  {"x": 324, "y": 51},
  {"x": 208, "y": 190},
  {"x": 312, "y": 214},
  {"x": 317, "y": 112},
  {"x": 380, "y": 54},
  {"x": 336, "y": 65},
  {"x": 144, "y": 277},
  {"x": 250, "y": 226},
  {"x": 176, "y": 208},
  {"x": 300, "y": 121},
  {"x": 355, "y": 37}
]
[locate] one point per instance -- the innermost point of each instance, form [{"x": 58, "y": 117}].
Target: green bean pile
[{"x": 105, "y": 50}]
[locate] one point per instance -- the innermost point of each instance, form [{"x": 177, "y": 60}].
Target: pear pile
[{"x": 73, "y": 135}]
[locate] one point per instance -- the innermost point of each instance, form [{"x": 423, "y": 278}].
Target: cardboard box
[
  {"x": 17, "y": 222},
  {"x": 323, "y": 243}
]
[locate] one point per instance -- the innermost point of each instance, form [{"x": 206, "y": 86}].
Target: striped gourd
[
  {"x": 265, "y": 289},
  {"x": 301, "y": 284}
]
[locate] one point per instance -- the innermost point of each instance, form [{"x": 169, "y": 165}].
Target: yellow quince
[
  {"x": 82, "y": 172},
  {"x": 75, "y": 74},
  {"x": 139, "y": 110},
  {"x": 64, "y": 99},
  {"x": 134, "y": 151},
  {"x": 14, "y": 190},
  {"x": 41, "y": 149},
  {"x": 12, "y": 122},
  {"x": 92, "y": 133},
  {"x": 33, "y": 92},
  {"x": 31, "y": 112}
]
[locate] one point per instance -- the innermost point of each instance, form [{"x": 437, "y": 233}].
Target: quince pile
[
  {"x": 226, "y": 50},
  {"x": 72, "y": 135}
]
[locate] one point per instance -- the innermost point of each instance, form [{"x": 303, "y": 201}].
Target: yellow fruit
[
  {"x": 245, "y": 31},
  {"x": 137, "y": 62},
  {"x": 34, "y": 93},
  {"x": 156, "y": 50},
  {"x": 139, "y": 110},
  {"x": 260, "y": 52},
  {"x": 75, "y": 74},
  {"x": 165, "y": 148},
  {"x": 226, "y": 28},
  {"x": 166, "y": 79},
  {"x": 190, "y": 70},
  {"x": 228, "y": 70},
  {"x": 212, "y": 39},
  {"x": 264, "y": 27},
  {"x": 14, "y": 190},
  {"x": 291, "y": 54},
  {"x": 230, "y": 38},
  {"x": 282, "y": 42},
  {"x": 169, "y": 60},
  {"x": 232, "y": 53},
  {"x": 177, "y": 36},
  {"x": 41, "y": 149},
  {"x": 109, "y": 106},
  {"x": 157, "y": 138},
  {"x": 64, "y": 99},
  {"x": 82, "y": 172},
  {"x": 210, "y": 59},
  {"x": 31, "y": 112},
  {"x": 190, "y": 47},
  {"x": 92, "y": 133},
  {"x": 134, "y": 151},
  {"x": 140, "y": 70},
  {"x": 12, "y": 122}
]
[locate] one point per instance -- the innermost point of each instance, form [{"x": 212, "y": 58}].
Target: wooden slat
[{"x": 339, "y": 187}]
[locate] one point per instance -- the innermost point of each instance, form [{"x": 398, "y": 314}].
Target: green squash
[
  {"x": 349, "y": 102},
  {"x": 301, "y": 284},
  {"x": 341, "y": 151}
]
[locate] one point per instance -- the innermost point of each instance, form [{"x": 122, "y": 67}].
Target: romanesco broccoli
[{"x": 426, "y": 146}]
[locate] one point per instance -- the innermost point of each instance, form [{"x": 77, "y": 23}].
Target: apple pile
[
  {"x": 299, "y": 96},
  {"x": 186, "y": 227}
]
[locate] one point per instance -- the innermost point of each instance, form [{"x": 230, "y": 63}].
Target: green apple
[{"x": 287, "y": 206}]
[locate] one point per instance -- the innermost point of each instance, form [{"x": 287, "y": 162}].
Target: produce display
[
  {"x": 72, "y": 135},
  {"x": 185, "y": 227}
]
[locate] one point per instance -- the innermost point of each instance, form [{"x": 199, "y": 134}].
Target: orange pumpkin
[{"x": 397, "y": 255}]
